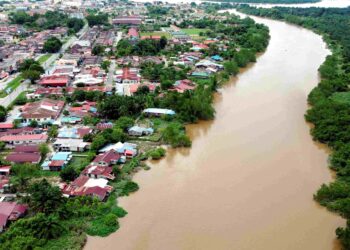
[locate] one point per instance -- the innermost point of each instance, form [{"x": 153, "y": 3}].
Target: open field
[
  {"x": 193, "y": 32},
  {"x": 156, "y": 33}
]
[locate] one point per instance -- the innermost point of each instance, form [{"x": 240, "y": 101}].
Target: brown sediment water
[{"x": 248, "y": 180}]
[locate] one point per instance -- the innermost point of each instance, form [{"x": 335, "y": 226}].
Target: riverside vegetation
[
  {"x": 330, "y": 100},
  {"x": 56, "y": 222}
]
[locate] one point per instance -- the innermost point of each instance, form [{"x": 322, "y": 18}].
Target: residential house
[
  {"x": 10, "y": 211},
  {"x": 13, "y": 140},
  {"x": 158, "y": 112},
  {"x": 54, "y": 81},
  {"x": 67, "y": 145},
  {"x": 140, "y": 131},
  {"x": 84, "y": 185},
  {"x": 44, "y": 111},
  {"x": 97, "y": 172},
  {"x": 106, "y": 159},
  {"x": 128, "y": 76}
]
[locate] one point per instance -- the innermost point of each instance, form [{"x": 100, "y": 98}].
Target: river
[{"x": 248, "y": 180}]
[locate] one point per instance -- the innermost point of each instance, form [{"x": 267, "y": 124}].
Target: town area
[{"x": 91, "y": 90}]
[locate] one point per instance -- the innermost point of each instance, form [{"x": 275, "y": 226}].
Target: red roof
[
  {"x": 80, "y": 181},
  {"x": 99, "y": 171},
  {"x": 23, "y": 157},
  {"x": 34, "y": 137},
  {"x": 27, "y": 148},
  {"x": 151, "y": 37},
  {"x": 128, "y": 75},
  {"x": 133, "y": 32},
  {"x": 103, "y": 126},
  {"x": 5, "y": 169},
  {"x": 6, "y": 125},
  {"x": 107, "y": 157},
  {"x": 54, "y": 80},
  {"x": 56, "y": 163},
  {"x": 10, "y": 211},
  {"x": 101, "y": 193}
]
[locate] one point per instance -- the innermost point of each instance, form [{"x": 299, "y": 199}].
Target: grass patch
[
  {"x": 194, "y": 32},
  {"x": 11, "y": 86},
  {"x": 156, "y": 33},
  {"x": 22, "y": 95},
  {"x": 79, "y": 163},
  {"x": 44, "y": 58}
]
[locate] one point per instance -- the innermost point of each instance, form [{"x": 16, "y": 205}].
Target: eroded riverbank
[{"x": 247, "y": 182}]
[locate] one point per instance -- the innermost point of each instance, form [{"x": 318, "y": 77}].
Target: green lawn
[
  {"x": 44, "y": 58},
  {"x": 156, "y": 33},
  {"x": 79, "y": 162},
  {"x": 11, "y": 86},
  {"x": 193, "y": 32}
]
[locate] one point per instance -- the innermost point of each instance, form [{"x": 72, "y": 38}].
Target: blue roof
[
  {"x": 217, "y": 58},
  {"x": 61, "y": 156},
  {"x": 159, "y": 111}
]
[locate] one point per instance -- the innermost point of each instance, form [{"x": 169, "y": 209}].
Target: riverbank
[{"x": 245, "y": 182}]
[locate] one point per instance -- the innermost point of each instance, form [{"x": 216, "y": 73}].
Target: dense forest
[
  {"x": 330, "y": 100},
  {"x": 268, "y": 1},
  {"x": 49, "y": 20}
]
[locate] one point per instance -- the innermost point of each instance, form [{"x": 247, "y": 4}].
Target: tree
[
  {"x": 52, "y": 45},
  {"x": 31, "y": 64},
  {"x": 31, "y": 75},
  {"x": 3, "y": 113},
  {"x": 124, "y": 123},
  {"x": 43, "y": 149},
  {"x": 53, "y": 131},
  {"x": 33, "y": 124},
  {"x": 75, "y": 24},
  {"x": 45, "y": 198},
  {"x": 163, "y": 42},
  {"x": 98, "y": 142},
  {"x": 231, "y": 67},
  {"x": 68, "y": 174},
  {"x": 105, "y": 65},
  {"x": 99, "y": 19},
  {"x": 98, "y": 50}
]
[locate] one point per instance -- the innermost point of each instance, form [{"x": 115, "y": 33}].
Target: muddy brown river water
[{"x": 248, "y": 180}]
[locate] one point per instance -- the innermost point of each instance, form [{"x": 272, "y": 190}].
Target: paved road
[
  {"x": 6, "y": 101},
  {"x": 111, "y": 73}
]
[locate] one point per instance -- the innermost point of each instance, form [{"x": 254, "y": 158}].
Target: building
[
  {"x": 128, "y": 76},
  {"x": 73, "y": 132},
  {"x": 74, "y": 145},
  {"x": 133, "y": 34},
  {"x": 10, "y": 211},
  {"x": 97, "y": 172},
  {"x": 19, "y": 157},
  {"x": 13, "y": 140},
  {"x": 84, "y": 185},
  {"x": 158, "y": 112},
  {"x": 54, "y": 81},
  {"x": 140, "y": 131},
  {"x": 44, "y": 111},
  {"x": 127, "y": 20},
  {"x": 106, "y": 159},
  {"x": 57, "y": 161}
]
